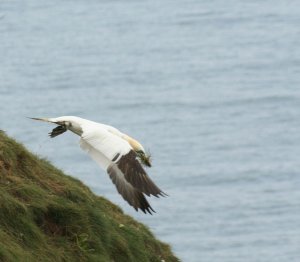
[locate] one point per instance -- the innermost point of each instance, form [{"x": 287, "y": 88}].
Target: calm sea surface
[{"x": 211, "y": 88}]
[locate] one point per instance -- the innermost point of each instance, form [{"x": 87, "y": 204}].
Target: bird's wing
[
  {"x": 97, "y": 156},
  {"x": 134, "y": 197},
  {"x": 136, "y": 175},
  {"x": 116, "y": 156},
  {"x": 136, "y": 146},
  {"x": 110, "y": 145}
]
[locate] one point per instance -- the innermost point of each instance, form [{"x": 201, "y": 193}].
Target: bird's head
[{"x": 145, "y": 158}]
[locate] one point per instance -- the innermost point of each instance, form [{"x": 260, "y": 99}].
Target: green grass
[{"x": 46, "y": 215}]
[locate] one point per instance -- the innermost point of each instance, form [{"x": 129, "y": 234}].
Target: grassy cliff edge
[{"x": 46, "y": 215}]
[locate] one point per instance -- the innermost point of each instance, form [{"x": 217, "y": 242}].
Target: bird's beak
[{"x": 43, "y": 119}]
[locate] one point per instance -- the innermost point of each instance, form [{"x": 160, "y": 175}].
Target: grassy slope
[{"x": 48, "y": 216}]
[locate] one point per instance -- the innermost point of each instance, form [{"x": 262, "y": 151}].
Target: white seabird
[{"x": 117, "y": 153}]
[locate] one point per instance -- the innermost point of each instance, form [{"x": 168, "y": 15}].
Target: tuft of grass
[{"x": 46, "y": 215}]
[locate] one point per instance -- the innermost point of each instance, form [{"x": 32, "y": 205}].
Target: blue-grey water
[{"x": 211, "y": 88}]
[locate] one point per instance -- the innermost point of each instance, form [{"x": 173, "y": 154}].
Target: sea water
[{"x": 211, "y": 88}]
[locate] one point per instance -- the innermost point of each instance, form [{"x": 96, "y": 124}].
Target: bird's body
[{"x": 117, "y": 153}]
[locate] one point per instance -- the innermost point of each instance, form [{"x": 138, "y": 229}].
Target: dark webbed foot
[{"x": 57, "y": 131}]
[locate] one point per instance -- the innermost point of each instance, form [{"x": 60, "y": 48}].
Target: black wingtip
[
  {"x": 163, "y": 194},
  {"x": 148, "y": 210},
  {"x": 151, "y": 210},
  {"x": 146, "y": 207}
]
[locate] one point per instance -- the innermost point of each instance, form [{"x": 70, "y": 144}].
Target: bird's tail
[{"x": 42, "y": 119}]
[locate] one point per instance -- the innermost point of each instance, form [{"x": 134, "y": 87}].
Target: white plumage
[{"x": 117, "y": 153}]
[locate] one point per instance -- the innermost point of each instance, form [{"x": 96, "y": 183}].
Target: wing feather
[
  {"x": 136, "y": 175},
  {"x": 116, "y": 156},
  {"x": 125, "y": 189},
  {"x": 96, "y": 155},
  {"x": 105, "y": 142},
  {"x": 134, "y": 197}
]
